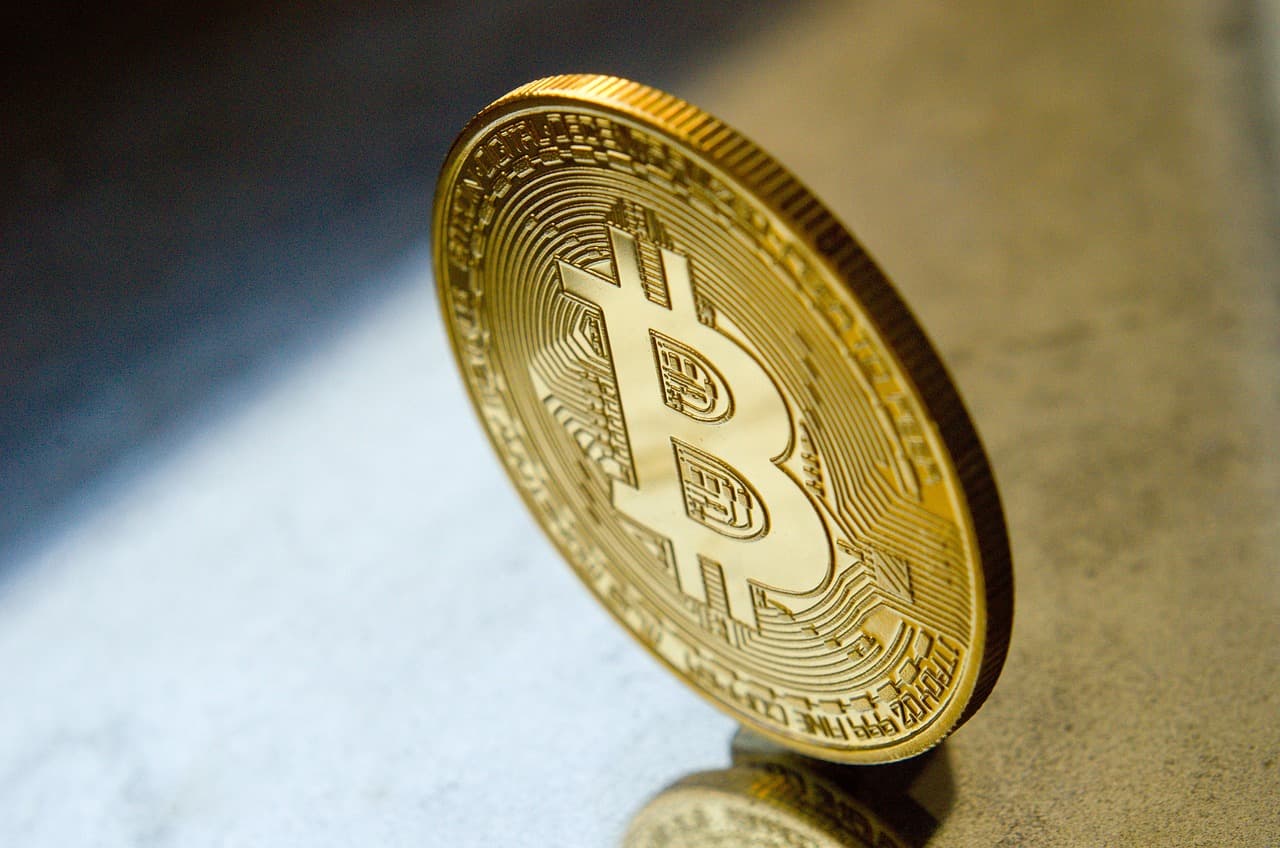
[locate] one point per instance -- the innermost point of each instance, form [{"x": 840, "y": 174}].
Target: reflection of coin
[
  {"x": 759, "y": 805},
  {"x": 724, "y": 417},
  {"x": 771, "y": 796}
]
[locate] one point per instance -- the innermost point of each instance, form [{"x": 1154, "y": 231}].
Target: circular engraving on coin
[{"x": 714, "y": 425}]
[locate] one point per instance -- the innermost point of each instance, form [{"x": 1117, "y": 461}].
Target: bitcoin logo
[{"x": 707, "y": 429}]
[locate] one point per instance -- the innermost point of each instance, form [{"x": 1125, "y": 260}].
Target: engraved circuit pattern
[{"x": 713, "y": 430}]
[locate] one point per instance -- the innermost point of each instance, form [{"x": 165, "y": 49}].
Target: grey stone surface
[{"x": 319, "y": 616}]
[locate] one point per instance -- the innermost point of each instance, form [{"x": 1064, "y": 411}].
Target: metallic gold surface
[{"x": 724, "y": 417}]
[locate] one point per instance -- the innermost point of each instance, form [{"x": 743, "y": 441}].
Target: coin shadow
[{"x": 771, "y": 794}]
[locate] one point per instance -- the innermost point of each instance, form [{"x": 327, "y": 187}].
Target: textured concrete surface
[{"x": 321, "y": 617}]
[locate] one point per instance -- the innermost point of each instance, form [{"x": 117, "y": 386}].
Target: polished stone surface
[{"x": 243, "y": 636}]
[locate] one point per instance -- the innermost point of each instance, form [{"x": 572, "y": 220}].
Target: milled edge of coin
[{"x": 809, "y": 220}]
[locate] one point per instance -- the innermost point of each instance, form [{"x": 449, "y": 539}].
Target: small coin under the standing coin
[{"x": 724, "y": 417}]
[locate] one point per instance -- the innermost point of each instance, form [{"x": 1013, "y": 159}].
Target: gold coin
[{"x": 724, "y": 417}]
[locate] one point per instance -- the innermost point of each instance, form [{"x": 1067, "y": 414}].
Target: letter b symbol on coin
[{"x": 704, "y": 422}]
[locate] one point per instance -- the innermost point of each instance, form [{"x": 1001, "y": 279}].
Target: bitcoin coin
[{"x": 723, "y": 416}]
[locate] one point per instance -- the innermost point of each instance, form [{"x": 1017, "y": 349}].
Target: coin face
[{"x": 723, "y": 416}]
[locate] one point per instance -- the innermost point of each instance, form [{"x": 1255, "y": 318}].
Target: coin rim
[{"x": 810, "y": 221}]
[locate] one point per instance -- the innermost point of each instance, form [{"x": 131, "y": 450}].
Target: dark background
[{"x": 190, "y": 193}]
